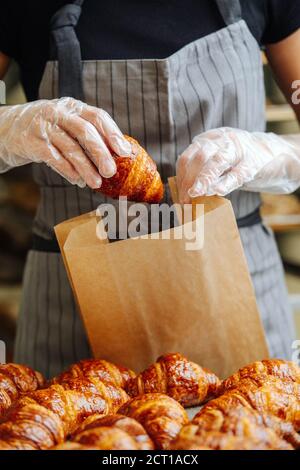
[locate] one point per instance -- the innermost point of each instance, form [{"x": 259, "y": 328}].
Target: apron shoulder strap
[
  {"x": 230, "y": 10},
  {"x": 67, "y": 50}
]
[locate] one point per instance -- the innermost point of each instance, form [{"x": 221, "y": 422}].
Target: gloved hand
[
  {"x": 71, "y": 137},
  {"x": 225, "y": 159}
]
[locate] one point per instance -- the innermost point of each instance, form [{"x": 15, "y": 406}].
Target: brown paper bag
[{"x": 140, "y": 298}]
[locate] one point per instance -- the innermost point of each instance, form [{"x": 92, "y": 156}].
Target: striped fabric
[
  {"x": 50, "y": 332},
  {"x": 165, "y": 103},
  {"x": 212, "y": 82}
]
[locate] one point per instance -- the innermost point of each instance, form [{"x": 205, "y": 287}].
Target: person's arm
[
  {"x": 285, "y": 62},
  {"x": 73, "y": 138},
  {"x": 223, "y": 160},
  {"x": 4, "y": 63}
]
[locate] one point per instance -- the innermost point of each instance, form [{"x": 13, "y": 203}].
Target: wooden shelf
[{"x": 279, "y": 113}]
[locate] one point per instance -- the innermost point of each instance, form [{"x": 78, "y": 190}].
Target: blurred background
[{"x": 19, "y": 198}]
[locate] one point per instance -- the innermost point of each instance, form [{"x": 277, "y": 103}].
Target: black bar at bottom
[{"x": 136, "y": 459}]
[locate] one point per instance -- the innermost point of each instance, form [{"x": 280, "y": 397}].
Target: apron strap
[
  {"x": 230, "y": 10},
  {"x": 67, "y": 50}
]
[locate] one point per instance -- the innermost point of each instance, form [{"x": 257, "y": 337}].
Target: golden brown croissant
[
  {"x": 239, "y": 421},
  {"x": 108, "y": 438},
  {"x": 276, "y": 402},
  {"x": 97, "y": 369},
  {"x": 228, "y": 414},
  {"x": 218, "y": 441},
  {"x": 44, "y": 418},
  {"x": 161, "y": 416},
  {"x": 269, "y": 395},
  {"x": 136, "y": 178},
  {"x": 73, "y": 446},
  {"x": 284, "y": 370},
  {"x": 15, "y": 444},
  {"x": 129, "y": 425},
  {"x": 176, "y": 376},
  {"x": 16, "y": 380}
]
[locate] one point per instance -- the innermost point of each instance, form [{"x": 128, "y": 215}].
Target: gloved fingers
[
  {"x": 54, "y": 159},
  {"x": 74, "y": 154},
  {"x": 108, "y": 129},
  {"x": 182, "y": 163},
  {"x": 91, "y": 141},
  {"x": 230, "y": 182},
  {"x": 197, "y": 156},
  {"x": 211, "y": 174}
]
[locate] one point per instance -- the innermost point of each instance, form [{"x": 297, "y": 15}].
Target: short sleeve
[
  {"x": 10, "y": 15},
  {"x": 283, "y": 19}
]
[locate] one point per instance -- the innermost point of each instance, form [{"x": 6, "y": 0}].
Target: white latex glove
[
  {"x": 225, "y": 159},
  {"x": 71, "y": 137}
]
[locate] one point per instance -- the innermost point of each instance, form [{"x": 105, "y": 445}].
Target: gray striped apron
[{"x": 214, "y": 81}]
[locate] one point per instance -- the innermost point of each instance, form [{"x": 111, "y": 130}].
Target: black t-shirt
[{"x": 127, "y": 29}]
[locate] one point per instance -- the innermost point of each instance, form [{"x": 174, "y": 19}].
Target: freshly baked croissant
[
  {"x": 88, "y": 432},
  {"x": 97, "y": 369},
  {"x": 218, "y": 441},
  {"x": 136, "y": 178},
  {"x": 44, "y": 418},
  {"x": 73, "y": 446},
  {"x": 161, "y": 416},
  {"x": 108, "y": 438},
  {"x": 16, "y": 380},
  {"x": 176, "y": 376},
  {"x": 269, "y": 395},
  {"x": 284, "y": 370},
  {"x": 239, "y": 421},
  {"x": 230, "y": 414},
  {"x": 277, "y": 402}
]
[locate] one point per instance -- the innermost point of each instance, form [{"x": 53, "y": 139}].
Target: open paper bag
[{"x": 142, "y": 297}]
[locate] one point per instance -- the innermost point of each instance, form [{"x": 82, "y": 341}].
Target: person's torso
[
  {"x": 117, "y": 30},
  {"x": 212, "y": 82}
]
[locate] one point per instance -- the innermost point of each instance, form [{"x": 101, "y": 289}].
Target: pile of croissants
[{"x": 96, "y": 405}]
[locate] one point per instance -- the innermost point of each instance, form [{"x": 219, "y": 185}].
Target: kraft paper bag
[{"x": 142, "y": 297}]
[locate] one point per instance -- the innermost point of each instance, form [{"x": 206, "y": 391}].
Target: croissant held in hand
[
  {"x": 283, "y": 370},
  {"x": 136, "y": 178},
  {"x": 90, "y": 431},
  {"x": 97, "y": 369},
  {"x": 16, "y": 380},
  {"x": 44, "y": 418},
  {"x": 176, "y": 376},
  {"x": 161, "y": 416}
]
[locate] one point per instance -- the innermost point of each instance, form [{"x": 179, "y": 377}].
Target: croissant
[
  {"x": 229, "y": 414},
  {"x": 272, "y": 396},
  {"x": 277, "y": 402},
  {"x": 97, "y": 369},
  {"x": 239, "y": 421},
  {"x": 176, "y": 376},
  {"x": 161, "y": 416},
  {"x": 219, "y": 441},
  {"x": 136, "y": 178},
  {"x": 16, "y": 380},
  {"x": 88, "y": 432},
  {"x": 284, "y": 370},
  {"x": 44, "y": 418},
  {"x": 73, "y": 446}
]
